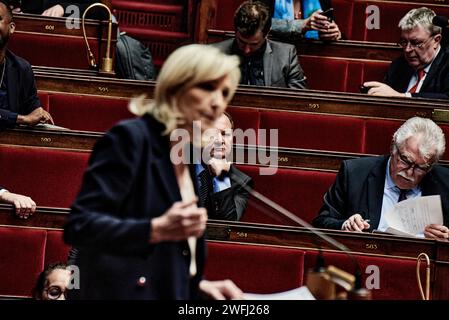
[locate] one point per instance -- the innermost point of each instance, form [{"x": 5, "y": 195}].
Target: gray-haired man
[
  {"x": 367, "y": 188},
  {"x": 423, "y": 70}
]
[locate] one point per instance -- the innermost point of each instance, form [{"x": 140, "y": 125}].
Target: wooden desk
[
  {"x": 47, "y": 41},
  {"x": 266, "y": 98}
]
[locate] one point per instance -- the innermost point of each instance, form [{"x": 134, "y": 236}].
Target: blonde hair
[{"x": 184, "y": 68}]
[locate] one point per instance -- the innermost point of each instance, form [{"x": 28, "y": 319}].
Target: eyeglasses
[
  {"x": 55, "y": 292},
  {"x": 423, "y": 168},
  {"x": 414, "y": 44}
]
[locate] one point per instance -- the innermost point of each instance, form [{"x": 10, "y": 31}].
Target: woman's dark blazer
[{"x": 130, "y": 180}]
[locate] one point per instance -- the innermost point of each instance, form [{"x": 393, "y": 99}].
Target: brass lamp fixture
[{"x": 106, "y": 63}]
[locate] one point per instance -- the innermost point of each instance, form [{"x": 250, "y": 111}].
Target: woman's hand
[{"x": 181, "y": 221}]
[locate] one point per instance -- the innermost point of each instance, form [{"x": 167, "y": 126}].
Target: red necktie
[{"x": 421, "y": 74}]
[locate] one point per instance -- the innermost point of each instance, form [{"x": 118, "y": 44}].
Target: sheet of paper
[
  {"x": 412, "y": 215},
  {"x": 301, "y": 293}
]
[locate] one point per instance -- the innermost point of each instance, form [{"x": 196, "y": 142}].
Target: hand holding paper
[{"x": 412, "y": 216}]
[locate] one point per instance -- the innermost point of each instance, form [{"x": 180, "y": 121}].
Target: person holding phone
[{"x": 309, "y": 19}]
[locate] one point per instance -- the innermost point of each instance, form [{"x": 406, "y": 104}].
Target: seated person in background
[
  {"x": 263, "y": 62},
  {"x": 52, "y": 283},
  {"x": 221, "y": 184},
  {"x": 25, "y": 206},
  {"x": 19, "y": 103},
  {"x": 51, "y": 8},
  {"x": 303, "y": 19},
  {"x": 423, "y": 71},
  {"x": 368, "y": 188}
]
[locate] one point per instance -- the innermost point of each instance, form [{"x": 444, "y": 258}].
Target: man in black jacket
[
  {"x": 224, "y": 196},
  {"x": 423, "y": 70},
  {"x": 19, "y": 103},
  {"x": 368, "y": 188}
]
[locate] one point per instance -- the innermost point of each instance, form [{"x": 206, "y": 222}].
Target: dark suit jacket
[
  {"x": 21, "y": 89},
  {"x": 359, "y": 188},
  {"x": 130, "y": 180},
  {"x": 280, "y": 64},
  {"x": 230, "y": 204},
  {"x": 436, "y": 83}
]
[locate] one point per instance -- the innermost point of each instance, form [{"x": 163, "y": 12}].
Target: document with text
[
  {"x": 301, "y": 293},
  {"x": 411, "y": 216}
]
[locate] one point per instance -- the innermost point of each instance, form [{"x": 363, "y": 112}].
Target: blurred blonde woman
[{"x": 135, "y": 221}]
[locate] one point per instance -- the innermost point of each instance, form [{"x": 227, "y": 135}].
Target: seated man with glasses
[
  {"x": 367, "y": 188},
  {"x": 423, "y": 70}
]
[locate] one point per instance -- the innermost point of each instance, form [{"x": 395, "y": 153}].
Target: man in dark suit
[
  {"x": 423, "y": 70},
  {"x": 225, "y": 196},
  {"x": 263, "y": 62},
  {"x": 19, "y": 103},
  {"x": 368, "y": 188}
]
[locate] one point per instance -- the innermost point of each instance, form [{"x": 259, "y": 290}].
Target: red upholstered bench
[
  {"x": 379, "y": 134},
  {"x": 343, "y": 16},
  {"x": 43, "y": 97},
  {"x": 60, "y": 52},
  {"x": 325, "y": 73},
  {"x": 87, "y": 113},
  {"x": 390, "y": 15},
  {"x": 244, "y": 119},
  {"x": 315, "y": 131},
  {"x": 156, "y": 16},
  {"x": 255, "y": 268},
  {"x": 22, "y": 254},
  {"x": 397, "y": 277},
  {"x": 361, "y": 71},
  {"x": 51, "y": 177},
  {"x": 300, "y": 191},
  {"x": 56, "y": 250}
]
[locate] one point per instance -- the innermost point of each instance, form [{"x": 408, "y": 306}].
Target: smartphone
[
  {"x": 364, "y": 89},
  {"x": 329, "y": 13}
]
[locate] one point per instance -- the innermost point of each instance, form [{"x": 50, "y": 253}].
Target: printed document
[
  {"x": 301, "y": 293},
  {"x": 411, "y": 216}
]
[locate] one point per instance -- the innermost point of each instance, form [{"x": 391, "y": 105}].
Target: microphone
[
  {"x": 357, "y": 292},
  {"x": 440, "y": 21}
]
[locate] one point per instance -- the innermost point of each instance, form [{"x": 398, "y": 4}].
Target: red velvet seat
[
  {"x": 43, "y": 97},
  {"x": 60, "y": 52},
  {"x": 365, "y": 70},
  {"x": 56, "y": 250},
  {"x": 325, "y": 73},
  {"x": 148, "y": 15},
  {"x": 21, "y": 259},
  {"x": 50, "y": 177},
  {"x": 87, "y": 113},
  {"x": 390, "y": 15},
  {"x": 244, "y": 119},
  {"x": 397, "y": 277},
  {"x": 255, "y": 268},
  {"x": 379, "y": 134},
  {"x": 315, "y": 131},
  {"x": 300, "y": 191},
  {"x": 343, "y": 16}
]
